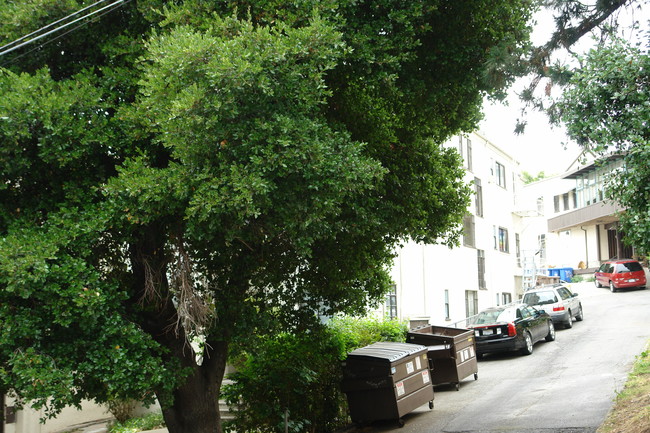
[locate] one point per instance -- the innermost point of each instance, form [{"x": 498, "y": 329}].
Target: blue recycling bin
[{"x": 565, "y": 274}]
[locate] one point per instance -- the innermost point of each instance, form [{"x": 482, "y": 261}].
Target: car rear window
[
  {"x": 629, "y": 267},
  {"x": 540, "y": 298},
  {"x": 495, "y": 316}
]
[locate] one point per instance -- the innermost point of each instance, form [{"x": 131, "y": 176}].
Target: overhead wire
[
  {"x": 52, "y": 24},
  {"x": 105, "y": 10}
]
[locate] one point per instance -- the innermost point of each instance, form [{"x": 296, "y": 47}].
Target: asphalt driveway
[{"x": 565, "y": 386}]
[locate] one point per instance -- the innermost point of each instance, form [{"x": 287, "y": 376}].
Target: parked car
[
  {"x": 511, "y": 328},
  {"x": 620, "y": 274},
  {"x": 558, "y": 301}
]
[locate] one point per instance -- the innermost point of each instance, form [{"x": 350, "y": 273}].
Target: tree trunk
[{"x": 195, "y": 405}]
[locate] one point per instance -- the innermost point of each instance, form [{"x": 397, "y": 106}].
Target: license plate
[
  {"x": 632, "y": 280},
  {"x": 488, "y": 331}
]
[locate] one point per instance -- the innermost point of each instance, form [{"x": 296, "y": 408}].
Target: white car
[{"x": 558, "y": 301}]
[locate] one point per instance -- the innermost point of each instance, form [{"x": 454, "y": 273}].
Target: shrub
[
  {"x": 299, "y": 374},
  {"x": 148, "y": 422}
]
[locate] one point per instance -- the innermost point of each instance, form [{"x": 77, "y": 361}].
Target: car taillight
[
  {"x": 512, "y": 330},
  {"x": 560, "y": 308}
]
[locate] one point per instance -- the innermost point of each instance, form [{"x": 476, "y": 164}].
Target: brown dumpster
[
  {"x": 451, "y": 352},
  {"x": 385, "y": 381}
]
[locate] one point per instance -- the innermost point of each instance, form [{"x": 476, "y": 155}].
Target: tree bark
[
  {"x": 193, "y": 407},
  {"x": 195, "y": 404}
]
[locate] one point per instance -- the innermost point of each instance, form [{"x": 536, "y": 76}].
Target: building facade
[{"x": 439, "y": 285}]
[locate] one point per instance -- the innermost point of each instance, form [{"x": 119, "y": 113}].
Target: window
[
  {"x": 500, "y": 174},
  {"x": 556, "y": 203},
  {"x": 507, "y": 298},
  {"x": 469, "y": 154},
  {"x": 391, "y": 303},
  {"x": 478, "y": 196},
  {"x": 565, "y": 201},
  {"x": 503, "y": 240},
  {"x": 471, "y": 303},
  {"x": 540, "y": 205},
  {"x": 518, "y": 249},
  {"x": 480, "y": 254},
  {"x": 460, "y": 146},
  {"x": 541, "y": 242},
  {"x": 468, "y": 230},
  {"x": 447, "y": 316}
]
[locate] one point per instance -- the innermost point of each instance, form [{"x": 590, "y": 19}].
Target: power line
[
  {"x": 51, "y": 24},
  {"x": 94, "y": 19},
  {"x": 110, "y": 8}
]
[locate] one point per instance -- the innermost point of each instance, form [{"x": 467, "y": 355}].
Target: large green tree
[
  {"x": 606, "y": 110},
  {"x": 178, "y": 174}
]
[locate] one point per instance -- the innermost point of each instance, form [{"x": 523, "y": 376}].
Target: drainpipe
[
  {"x": 598, "y": 252},
  {"x": 586, "y": 247}
]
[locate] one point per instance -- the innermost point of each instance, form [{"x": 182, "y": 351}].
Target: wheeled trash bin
[
  {"x": 385, "y": 381},
  {"x": 451, "y": 352}
]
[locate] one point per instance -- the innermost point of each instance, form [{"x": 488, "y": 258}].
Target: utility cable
[
  {"x": 51, "y": 24},
  {"x": 112, "y": 5}
]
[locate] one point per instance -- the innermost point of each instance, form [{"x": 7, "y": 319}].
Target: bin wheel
[
  {"x": 475, "y": 376},
  {"x": 400, "y": 423},
  {"x": 457, "y": 386},
  {"x": 431, "y": 404}
]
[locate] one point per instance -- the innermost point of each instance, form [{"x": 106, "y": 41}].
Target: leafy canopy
[{"x": 606, "y": 110}]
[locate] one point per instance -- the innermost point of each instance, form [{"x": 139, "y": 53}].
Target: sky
[{"x": 540, "y": 147}]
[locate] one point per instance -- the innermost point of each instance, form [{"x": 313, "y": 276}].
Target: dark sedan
[{"x": 511, "y": 328}]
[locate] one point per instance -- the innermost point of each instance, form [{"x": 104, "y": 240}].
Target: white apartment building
[{"x": 438, "y": 285}]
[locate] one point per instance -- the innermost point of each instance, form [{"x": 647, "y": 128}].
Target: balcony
[{"x": 603, "y": 212}]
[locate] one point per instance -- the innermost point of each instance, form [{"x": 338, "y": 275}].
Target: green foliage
[
  {"x": 150, "y": 421},
  {"x": 300, "y": 374},
  {"x": 294, "y": 374},
  {"x": 361, "y": 331},
  {"x": 177, "y": 170},
  {"x": 606, "y": 110},
  {"x": 529, "y": 178}
]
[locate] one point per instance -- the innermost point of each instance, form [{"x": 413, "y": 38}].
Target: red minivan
[{"x": 620, "y": 274}]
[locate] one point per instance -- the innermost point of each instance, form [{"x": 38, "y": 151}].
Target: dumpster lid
[{"x": 387, "y": 351}]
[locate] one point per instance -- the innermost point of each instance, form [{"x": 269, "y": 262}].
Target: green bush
[
  {"x": 358, "y": 332},
  {"x": 148, "y": 422},
  {"x": 299, "y": 375}
]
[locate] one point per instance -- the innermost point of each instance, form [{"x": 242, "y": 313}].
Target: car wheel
[
  {"x": 551, "y": 331},
  {"x": 611, "y": 287},
  {"x": 580, "y": 314},
  {"x": 569, "y": 323},
  {"x": 528, "y": 349}
]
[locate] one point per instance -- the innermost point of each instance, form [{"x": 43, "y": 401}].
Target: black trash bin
[
  {"x": 451, "y": 352},
  {"x": 385, "y": 381}
]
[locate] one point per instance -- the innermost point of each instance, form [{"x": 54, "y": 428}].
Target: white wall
[{"x": 422, "y": 273}]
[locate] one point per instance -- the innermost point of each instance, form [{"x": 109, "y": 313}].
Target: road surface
[{"x": 565, "y": 386}]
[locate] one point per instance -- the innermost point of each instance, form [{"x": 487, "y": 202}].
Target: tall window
[
  {"x": 556, "y": 203},
  {"x": 478, "y": 196},
  {"x": 503, "y": 240},
  {"x": 500, "y": 174},
  {"x": 468, "y": 230},
  {"x": 471, "y": 302},
  {"x": 447, "y": 316},
  {"x": 391, "y": 303},
  {"x": 541, "y": 242},
  {"x": 518, "y": 249},
  {"x": 507, "y": 298},
  {"x": 540, "y": 205},
  {"x": 460, "y": 146},
  {"x": 469, "y": 154},
  {"x": 565, "y": 201},
  {"x": 481, "y": 269}
]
